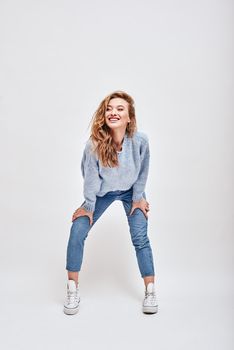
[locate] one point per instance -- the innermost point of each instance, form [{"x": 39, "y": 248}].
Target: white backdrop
[{"x": 59, "y": 59}]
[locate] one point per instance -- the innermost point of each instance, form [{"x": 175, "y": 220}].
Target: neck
[{"x": 118, "y": 136}]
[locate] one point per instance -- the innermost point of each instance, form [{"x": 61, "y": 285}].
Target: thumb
[{"x": 131, "y": 211}]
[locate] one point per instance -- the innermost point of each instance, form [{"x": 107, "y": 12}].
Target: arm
[
  {"x": 92, "y": 180},
  {"x": 139, "y": 185}
]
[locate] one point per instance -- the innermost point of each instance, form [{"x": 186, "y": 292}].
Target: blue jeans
[{"x": 137, "y": 222}]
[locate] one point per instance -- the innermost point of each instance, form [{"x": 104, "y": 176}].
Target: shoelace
[
  {"x": 71, "y": 297},
  {"x": 150, "y": 297}
]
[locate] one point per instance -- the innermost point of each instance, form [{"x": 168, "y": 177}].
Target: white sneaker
[
  {"x": 72, "y": 301},
  {"x": 150, "y": 303}
]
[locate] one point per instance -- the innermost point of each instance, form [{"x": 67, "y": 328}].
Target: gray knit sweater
[{"x": 132, "y": 170}]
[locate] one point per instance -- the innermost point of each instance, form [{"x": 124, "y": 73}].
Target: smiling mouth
[{"x": 113, "y": 119}]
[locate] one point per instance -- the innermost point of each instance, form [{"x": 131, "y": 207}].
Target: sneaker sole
[
  {"x": 70, "y": 311},
  {"x": 150, "y": 309}
]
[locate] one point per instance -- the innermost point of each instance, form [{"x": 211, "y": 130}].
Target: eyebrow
[{"x": 117, "y": 106}]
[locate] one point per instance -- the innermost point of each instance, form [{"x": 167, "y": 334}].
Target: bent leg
[
  {"x": 79, "y": 232},
  {"x": 138, "y": 225}
]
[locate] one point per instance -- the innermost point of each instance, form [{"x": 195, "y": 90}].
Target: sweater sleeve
[
  {"x": 139, "y": 185},
  {"x": 92, "y": 180}
]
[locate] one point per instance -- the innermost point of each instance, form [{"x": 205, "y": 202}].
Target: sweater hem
[
  {"x": 137, "y": 198},
  {"x": 88, "y": 206}
]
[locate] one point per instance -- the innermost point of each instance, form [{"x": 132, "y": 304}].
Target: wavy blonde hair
[{"x": 100, "y": 136}]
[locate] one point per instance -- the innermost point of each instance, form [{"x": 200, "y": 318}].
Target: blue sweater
[{"x": 132, "y": 170}]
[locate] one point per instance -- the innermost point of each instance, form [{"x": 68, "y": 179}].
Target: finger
[
  {"x": 76, "y": 215},
  {"x": 145, "y": 213},
  {"x": 132, "y": 210},
  {"x": 90, "y": 220}
]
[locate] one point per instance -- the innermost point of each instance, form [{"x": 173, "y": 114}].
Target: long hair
[{"x": 102, "y": 140}]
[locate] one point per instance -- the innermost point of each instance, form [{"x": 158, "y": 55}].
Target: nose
[{"x": 113, "y": 112}]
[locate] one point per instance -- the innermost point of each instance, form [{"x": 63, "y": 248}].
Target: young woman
[{"x": 114, "y": 166}]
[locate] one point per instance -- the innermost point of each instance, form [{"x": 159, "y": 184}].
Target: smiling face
[{"x": 116, "y": 115}]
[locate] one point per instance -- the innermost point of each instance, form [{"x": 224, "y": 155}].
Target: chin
[{"x": 114, "y": 126}]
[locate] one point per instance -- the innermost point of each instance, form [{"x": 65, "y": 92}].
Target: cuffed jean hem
[
  {"x": 72, "y": 269},
  {"x": 147, "y": 274}
]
